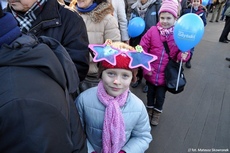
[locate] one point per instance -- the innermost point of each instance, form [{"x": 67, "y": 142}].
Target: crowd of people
[{"x": 60, "y": 98}]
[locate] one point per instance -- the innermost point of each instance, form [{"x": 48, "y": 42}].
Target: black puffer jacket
[
  {"x": 68, "y": 28},
  {"x": 37, "y": 114}
]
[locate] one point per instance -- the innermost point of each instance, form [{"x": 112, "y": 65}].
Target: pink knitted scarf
[
  {"x": 163, "y": 31},
  {"x": 113, "y": 134}
]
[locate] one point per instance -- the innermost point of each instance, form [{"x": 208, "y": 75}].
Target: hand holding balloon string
[{"x": 184, "y": 55}]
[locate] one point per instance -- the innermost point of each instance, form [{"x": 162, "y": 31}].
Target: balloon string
[
  {"x": 191, "y": 8},
  {"x": 179, "y": 74}
]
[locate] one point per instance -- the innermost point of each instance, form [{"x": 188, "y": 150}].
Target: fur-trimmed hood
[{"x": 100, "y": 12}]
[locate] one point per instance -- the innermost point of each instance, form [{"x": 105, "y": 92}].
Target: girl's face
[
  {"x": 196, "y": 3},
  {"x": 143, "y": 1},
  {"x": 21, "y": 5},
  {"x": 167, "y": 20},
  {"x": 84, "y": 3},
  {"x": 116, "y": 81}
]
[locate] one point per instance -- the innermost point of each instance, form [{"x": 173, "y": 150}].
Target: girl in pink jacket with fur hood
[{"x": 152, "y": 42}]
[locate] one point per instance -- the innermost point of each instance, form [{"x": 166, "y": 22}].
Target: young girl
[
  {"x": 114, "y": 119},
  {"x": 152, "y": 42}
]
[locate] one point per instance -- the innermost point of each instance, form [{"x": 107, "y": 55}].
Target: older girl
[{"x": 152, "y": 42}]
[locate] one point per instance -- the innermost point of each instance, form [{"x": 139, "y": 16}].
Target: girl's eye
[
  {"x": 125, "y": 76},
  {"x": 110, "y": 74}
]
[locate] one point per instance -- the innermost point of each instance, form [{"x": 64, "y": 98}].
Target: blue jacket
[
  {"x": 137, "y": 128},
  {"x": 201, "y": 12}
]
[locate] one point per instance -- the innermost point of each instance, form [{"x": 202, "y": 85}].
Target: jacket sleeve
[
  {"x": 146, "y": 41},
  {"x": 187, "y": 58},
  {"x": 141, "y": 136},
  {"x": 146, "y": 45},
  {"x": 122, "y": 21},
  {"x": 203, "y": 17},
  {"x": 76, "y": 43},
  {"x": 80, "y": 106},
  {"x": 78, "y": 134}
]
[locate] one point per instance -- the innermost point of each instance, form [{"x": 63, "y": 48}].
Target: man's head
[{"x": 21, "y": 5}]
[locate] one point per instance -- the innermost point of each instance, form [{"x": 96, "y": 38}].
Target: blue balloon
[
  {"x": 136, "y": 26},
  {"x": 188, "y": 31},
  {"x": 205, "y": 2}
]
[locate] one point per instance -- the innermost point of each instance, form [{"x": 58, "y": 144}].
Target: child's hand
[
  {"x": 184, "y": 55},
  {"x": 149, "y": 73}
]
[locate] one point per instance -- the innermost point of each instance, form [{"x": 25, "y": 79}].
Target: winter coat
[
  {"x": 65, "y": 25},
  {"x": 36, "y": 107},
  {"x": 152, "y": 42},
  {"x": 137, "y": 128},
  {"x": 101, "y": 25},
  {"x": 151, "y": 18},
  {"x": 120, "y": 14},
  {"x": 227, "y": 12}
]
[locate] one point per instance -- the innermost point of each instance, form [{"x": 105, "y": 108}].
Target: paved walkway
[{"x": 198, "y": 120}]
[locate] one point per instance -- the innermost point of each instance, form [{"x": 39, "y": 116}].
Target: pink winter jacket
[{"x": 152, "y": 42}]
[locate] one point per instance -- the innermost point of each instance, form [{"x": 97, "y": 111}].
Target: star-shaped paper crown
[{"x": 109, "y": 52}]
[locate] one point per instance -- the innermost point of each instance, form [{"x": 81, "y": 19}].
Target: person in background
[
  {"x": 148, "y": 10},
  {"x": 120, "y": 14},
  {"x": 184, "y": 5},
  {"x": 196, "y": 7},
  {"x": 115, "y": 120},
  {"x": 101, "y": 25},
  {"x": 226, "y": 5},
  {"x": 53, "y": 19},
  {"x": 217, "y": 8},
  {"x": 224, "y": 35},
  {"x": 129, "y": 3},
  {"x": 209, "y": 7},
  {"x": 37, "y": 76},
  {"x": 152, "y": 42}
]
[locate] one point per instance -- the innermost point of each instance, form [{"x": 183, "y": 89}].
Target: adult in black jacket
[
  {"x": 56, "y": 20},
  {"x": 38, "y": 77}
]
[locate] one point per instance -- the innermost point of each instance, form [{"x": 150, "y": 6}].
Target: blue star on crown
[{"x": 107, "y": 52}]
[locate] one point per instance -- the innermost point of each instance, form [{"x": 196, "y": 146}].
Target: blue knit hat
[{"x": 9, "y": 28}]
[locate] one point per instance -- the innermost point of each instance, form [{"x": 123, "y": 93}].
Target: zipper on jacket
[{"x": 159, "y": 66}]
